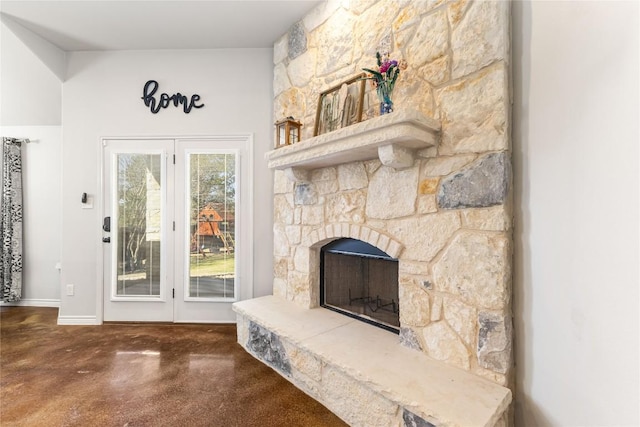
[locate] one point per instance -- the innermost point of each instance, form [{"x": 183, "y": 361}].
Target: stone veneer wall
[{"x": 448, "y": 218}]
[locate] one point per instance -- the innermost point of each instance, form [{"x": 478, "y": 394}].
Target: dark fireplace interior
[{"x": 361, "y": 281}]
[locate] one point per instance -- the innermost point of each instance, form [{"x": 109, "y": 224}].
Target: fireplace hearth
[{"x": 360, "y": 281}]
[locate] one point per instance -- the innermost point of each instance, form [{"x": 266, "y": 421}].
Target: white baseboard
[
  {"x": 78, "y": 320},
  {"x": 33, "y": 303}
]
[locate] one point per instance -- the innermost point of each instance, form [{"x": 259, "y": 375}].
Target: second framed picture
[{"x": 340, "y": 106}]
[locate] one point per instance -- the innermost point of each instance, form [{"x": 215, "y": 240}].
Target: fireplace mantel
[{"x": 393, "y": 138}]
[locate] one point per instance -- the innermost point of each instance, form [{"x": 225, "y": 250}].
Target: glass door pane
[
  {"x": 138, "y": 223},
  {"x": 211, "y": 214}
]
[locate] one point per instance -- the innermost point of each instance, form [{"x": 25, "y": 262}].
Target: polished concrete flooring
[{"x": 139, "y": 375}]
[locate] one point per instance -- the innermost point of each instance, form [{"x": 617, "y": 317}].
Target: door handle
[
  {"x": 106, "y": 223},
  {"x": 106, "y": 239}
]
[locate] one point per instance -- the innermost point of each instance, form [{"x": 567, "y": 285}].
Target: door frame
[{"x": 247, "y": 201}]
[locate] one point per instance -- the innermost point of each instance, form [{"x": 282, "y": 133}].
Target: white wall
[
  {"x": 30, "y": 101},
  {"x": 102, "y": 98},
  {"x": 576, "y": 166},
  {"x": 31, "y": 92}
]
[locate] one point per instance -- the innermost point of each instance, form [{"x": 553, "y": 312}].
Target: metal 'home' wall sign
[{"x": 165, "y": 100}]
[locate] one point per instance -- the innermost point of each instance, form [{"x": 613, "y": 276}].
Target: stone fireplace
[{"x": 428, "y": 186}]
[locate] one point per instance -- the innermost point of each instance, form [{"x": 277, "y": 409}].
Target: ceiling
[{"x": 151, "y": 24}]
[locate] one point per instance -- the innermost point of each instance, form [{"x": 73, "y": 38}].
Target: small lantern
[{"x": 287, "y": 132}]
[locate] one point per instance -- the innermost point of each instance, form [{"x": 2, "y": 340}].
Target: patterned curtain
[{"x": 11, "y": 221}]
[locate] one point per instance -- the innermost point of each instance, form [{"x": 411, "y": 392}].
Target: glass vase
[{"x": 384, "y": 95}]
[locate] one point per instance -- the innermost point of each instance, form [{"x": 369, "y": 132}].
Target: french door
[{"x": 177, "y": 229}]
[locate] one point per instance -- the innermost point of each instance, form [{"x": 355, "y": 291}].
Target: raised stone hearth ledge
[
  {"x": 392, "y": 138},
  {"x": 362, "y": 373}
]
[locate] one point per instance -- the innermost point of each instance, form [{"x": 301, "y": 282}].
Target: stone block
[
  {"x": 280, "y": 49},
  {"x": 266, "y": 346},
  {"x": 442, "y": 343},
  {"x": 481, "y": 38},
  {"x": 335, "y": 48},
  {"x": 344, "y": 229},
  {"x": 297, "y": 215},
  {"x": 428, "y": 152},
  {"x": 326, "y": 187},
  {"x": 282, "y": 210},
  {"x": 494, "y": 342},
  {"x": 281, "y": 246},
  {"x": 414, "y": 93},
  {"x": 392, "y": 194},
  {"x": 324, "y": 174},
  {"x": 352, "y": 176},
  {"x": 383, "y": 242},
  {"x": 307, "y": 385},
  {"x": 306, "y": 363},
  {"x": 297, "y": 174},
  {"x": 242, "y": 330},
  {"x": 298, "y": 288},
  {"x": 372, "y": 166},
  {"x": 280, "y": 267},
  {"x": 428, "y": 186},
  {"x": 373, "y": 238},
  {"x": 493, "y": 376},
  {"x": 288, "y": 101},
  {"x": 302, "y": 69},
  {"x": 322, "y": 235},
  {"x": 412, "y": 420},
  {"x": 280, "y": 79},
  {"x": 294, "y": 234},
  {"x": 474, "y": 113},
  {"x": 364, "y": 234},
  {"x": 341, "y": 394},
  {"x": 430, "y": 40},
  {"x": 305, "y": 194},
  {"x": 280, "y": 288},
  {"x": 490, "y": 219},
  {"x": 354, "y": 231},
  {"x": 329, "y": 231},
  {"x": 409, "y": 338},
  {"x": 444, "y": 165},
  {"x": 423, "y": 237},
  {"x": 437, "y": 71},
  {"x": 436, "y": 308},
  {"x": 297, "y": 40},
  {"x": 377, "y": 224},
  {"x": 408, "y": 17},
  {"x": 456, "y": 10},
  {"x": 394, "y": 249},
  {"x": 318, "y": 15},
  {"x": 373, "y": 26},
  {"x": 358, "y": 7},
  {"x": 312, "y": 215},
  {"x": 346, "y": 206},
  {"x": 427, "y": 204},
  {"x": 281, "y": 184},
  {"x": 482, "y": 184},
  {"x": 476, "y": 266},
  {"x": 414, "y": 305},
  {"x": 462, "y": 319},
  {"x": 301, "y": 259}
]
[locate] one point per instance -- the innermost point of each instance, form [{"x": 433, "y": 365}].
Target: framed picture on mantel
[{"x": 340, "y": 106}]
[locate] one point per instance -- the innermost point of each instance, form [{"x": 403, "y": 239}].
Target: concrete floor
[{"x": 139, "y": 375}]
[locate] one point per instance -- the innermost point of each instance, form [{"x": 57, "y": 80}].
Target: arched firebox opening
[{"x": 360, "y": 281}]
